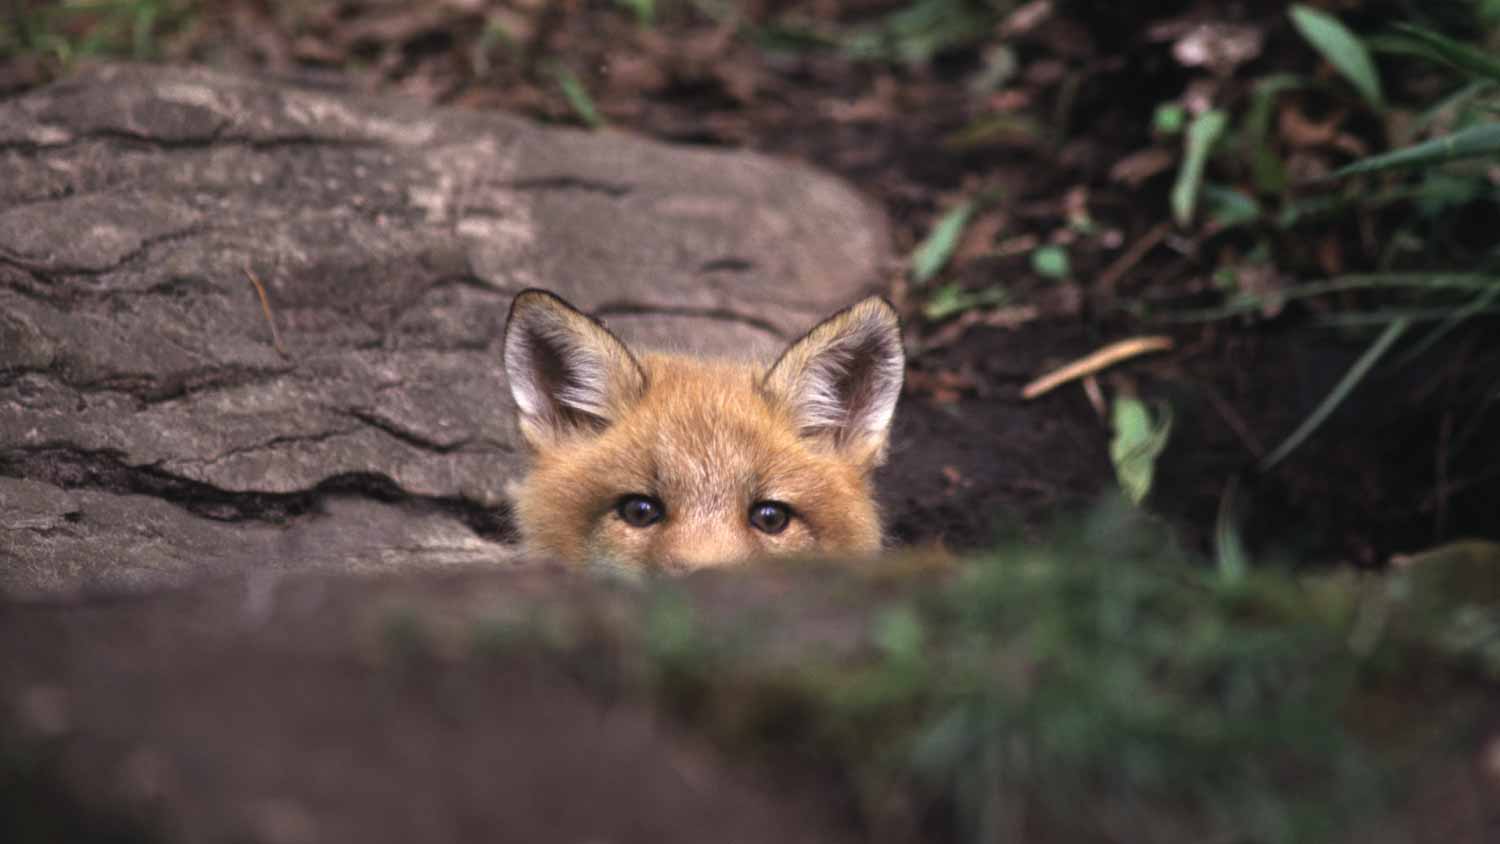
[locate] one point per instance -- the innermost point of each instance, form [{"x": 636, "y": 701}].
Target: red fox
[{"x": 673, "y": 463}]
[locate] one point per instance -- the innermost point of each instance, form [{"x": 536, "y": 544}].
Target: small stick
[
  {"x": 1090, "y": 364},
  {"x": 1236, "y": 423},
  {"x": 1112, "y": 274},
  {"x": 1095, "y": 395},
  {"x": 265, "y": 308}
]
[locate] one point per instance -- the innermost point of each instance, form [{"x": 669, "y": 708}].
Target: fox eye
[
  {"x": 640, "y": 510},
  {"x": 770, "y": 516}
]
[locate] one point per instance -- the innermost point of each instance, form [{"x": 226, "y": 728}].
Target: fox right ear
[
  {"x": 567, "y": 372},
  {"x": 842, "y": 379}
]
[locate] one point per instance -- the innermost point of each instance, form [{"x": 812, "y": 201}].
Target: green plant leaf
[
  {"x": 920, "y": 30},
  {"x": 1229, "y": 207},
  {"x": 644, "y": 10},
  {"x": 577, "y": 96},
  {"x": 1341, "y": 48},
  {"x": 899, "y": 633},
  {"x": 1473, "y": 142},
  {"x": 997, "y": 128},
  {"x": 1340, "y": 391},
  {"x": 1255, "y": 134},
  {"x": 953, "y": 299},
  {"x": 1168, "y": 119},
  {"x": 1202, "y": 134},
  {"x": 1137, "y": 442},
  {"x": 932, "y": 254},
  {"x": 1416, "y": 41},
  {"x": 1229, "y": 547},
  {"x": 1051, "y": 261}
]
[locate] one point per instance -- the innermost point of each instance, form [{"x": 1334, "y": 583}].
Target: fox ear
[
  {"x": 842, "y": 379},
  {"x": 567, "y": 372}
]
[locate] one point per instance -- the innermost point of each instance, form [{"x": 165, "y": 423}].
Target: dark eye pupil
[
  {"x": 639, "y": 510},
  {"x": 770, "y": 516}
]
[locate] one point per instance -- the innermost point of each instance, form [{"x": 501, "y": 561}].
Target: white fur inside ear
[
  {"x": 549, "y": 364},
  {"x": 851, "y": 380}
]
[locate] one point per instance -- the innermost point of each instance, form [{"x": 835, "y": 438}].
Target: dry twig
[
  {"x": 265, "y": 308},
  {"x": 1100, "y": 360}
]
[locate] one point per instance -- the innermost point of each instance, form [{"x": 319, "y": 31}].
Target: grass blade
[
  {"x": 952, "y": 299},
  {"x": 1383, "y": 316},
  {"x": 1473, "y": 142},
  {"x": 1341, "y": 48},
  {"x": 1431, "y": 282},
  {"x": 1202, "y": 134},
  {"x": 1232, "y": 559},
  {"x": 932, "y": 254},
  {"x": 1478, "y": 305},
  {"x": 1416, "y": 41},
  {"x": 577, "y": 96},
  {"x": 1336, "y": 396},
  {"x": 644, "y": 11}
]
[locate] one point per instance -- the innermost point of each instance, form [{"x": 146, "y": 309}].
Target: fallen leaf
[
  {"x": 1301, "y": 131},
  {"x": 1139, "y": 439},
  {"x": 1331, "y": 256},
  {"x": 1220, "y": 47},
  {"x": 1136, "y": 168}
]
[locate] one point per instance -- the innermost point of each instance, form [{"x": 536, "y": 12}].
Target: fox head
[{"x": 671, "y": 463}]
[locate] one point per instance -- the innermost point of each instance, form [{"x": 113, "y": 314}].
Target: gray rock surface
[{"x": 150, "y": 428}]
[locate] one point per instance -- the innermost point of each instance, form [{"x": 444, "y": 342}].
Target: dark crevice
[
  {"x": 728, "y": 263},
  {"x": 215, "y": 139},
  {"x": 147, "y": 244},
  {"x": 409, "y": 437},
  {"x": 614, "y": 190},
  {"x": 273, "y": 442},
  {"x": 31, "y": 291},
  {"x": 724, "y": 314},
  {"x": 153, "y": 389},
  {"x": 106, "y": 471}
]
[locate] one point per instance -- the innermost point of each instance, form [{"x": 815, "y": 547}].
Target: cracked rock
[{"x": 150, "y": 429}]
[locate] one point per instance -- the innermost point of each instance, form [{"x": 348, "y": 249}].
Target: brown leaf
[
  {"x": 1136, "y": 168},
  {"x": 1331, "y": 256},
  {"x": 944, "y": 386},
  {"x": 1220, "y": 47},
  {"x": 979, "y": 237},
  {"x": 1301, "y": 131},
  {"x": 1025, "y": 18}
]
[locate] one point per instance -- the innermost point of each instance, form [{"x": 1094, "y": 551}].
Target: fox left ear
[
  {"x": 567, "y": 373},
  {"x": 842, "y": 379}
]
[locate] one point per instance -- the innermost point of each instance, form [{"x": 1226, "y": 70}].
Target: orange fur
[{"x": 708, "y": 439}]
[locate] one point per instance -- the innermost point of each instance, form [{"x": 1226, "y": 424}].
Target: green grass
[{"x": 73, "y": 30}]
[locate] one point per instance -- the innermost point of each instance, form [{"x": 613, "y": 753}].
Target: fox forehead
[{"x": 706, "y": 431}]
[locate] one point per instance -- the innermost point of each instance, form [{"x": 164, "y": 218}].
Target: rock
[
  {"x": 149, "y": 426},
  {"x": 394, "y": 709}
]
